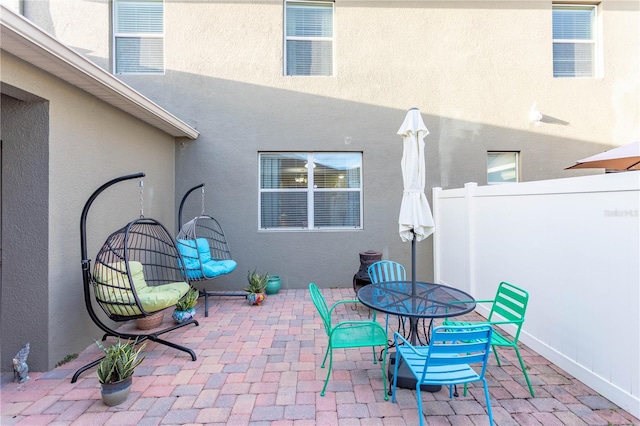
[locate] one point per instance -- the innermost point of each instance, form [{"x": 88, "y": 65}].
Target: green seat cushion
[{"x": 114, "y": 290}]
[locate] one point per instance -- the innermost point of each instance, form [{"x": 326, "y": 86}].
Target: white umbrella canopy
[
  {"x": 626, "y": 157},
  {"x": 415, "y": 214}
]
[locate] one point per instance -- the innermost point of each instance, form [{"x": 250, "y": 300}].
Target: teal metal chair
[
  {"x": 348, "y": 334},
  {"x": 508, "y": 308},
  {"x": 385, "y": 271},
  {"x": 446, "y": 361}
]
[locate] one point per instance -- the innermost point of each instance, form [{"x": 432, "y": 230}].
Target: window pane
[
  {"x": 336, "y": 170},
  {"x": 307, "y": 57},
  {"x": 574, "y": 41},
  {"x": 337, "y": 209},
  {"x": 139, "y": 17},
  {"x": 287, "y": 200},
  {"x": 573, "y": 23},
  {"x": 283, "y": 171},
  {"x": 139, "y": 55},
  {"x": 502, "y": 167},
  {"x": 573, "y": 59},
  {"x": 283, "y": 210},
  {"x": 305, "y": 20}
]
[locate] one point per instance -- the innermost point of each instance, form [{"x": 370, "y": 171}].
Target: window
[
  {"x": 574, "y": 41},
  {"x": 308, "y": 38},
  {"x": 138, "y": 36},
  {"x": 502, "y": 167},
  {"x": 306, "y": 191}
]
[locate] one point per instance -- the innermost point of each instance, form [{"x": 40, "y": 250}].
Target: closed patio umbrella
[
  {"x": 415, "y": 220},
  {"x": 626, "y": 157}
]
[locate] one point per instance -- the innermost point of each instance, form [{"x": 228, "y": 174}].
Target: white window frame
[
  {"x": 595, "y": 42},
  {"x": 491, "y": 169},
  {"x": 307, "y": 38},
  {"x": 306, "y": 177},
  {"x": 136, "y": 35}
]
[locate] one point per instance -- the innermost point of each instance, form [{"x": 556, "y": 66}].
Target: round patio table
[{"x": 419, "y": 300}]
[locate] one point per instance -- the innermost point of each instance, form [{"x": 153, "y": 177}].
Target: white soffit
[{"x": 24, "y": 40}]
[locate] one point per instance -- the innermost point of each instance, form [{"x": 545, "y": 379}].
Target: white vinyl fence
[{"x": 574, "y": 245}]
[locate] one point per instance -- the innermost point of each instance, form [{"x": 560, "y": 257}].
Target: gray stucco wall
[
  {"x": 86, "y": 144},
  {"x": 473, "y": 68},
  {"x": 25, "y": 236}
]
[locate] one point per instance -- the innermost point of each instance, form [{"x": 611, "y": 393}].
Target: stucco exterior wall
[
  {"x": 24, "y": 126},
  {"x": 89, "y": 142},
  {"x": 473, "y": 68}
]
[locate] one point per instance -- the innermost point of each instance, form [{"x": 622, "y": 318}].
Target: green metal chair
[
  {"x": 348, "y": 334},
  {"x": 508, "y": 308},
  {"x": 446, "y": 361}
]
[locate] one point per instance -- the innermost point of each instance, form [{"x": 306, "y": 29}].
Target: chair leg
[
  {"x": 495, "y": 352},
  {"x": 524, "y": 370},
  {"x": 326, "y": 381},
  {"x": 384, "y": 379},
  {"x": 395, "y": 377},
  {"x": 419, "y": 398},
  {"x": 324, "y": 360},
  {"x": 487, "y": 398}
]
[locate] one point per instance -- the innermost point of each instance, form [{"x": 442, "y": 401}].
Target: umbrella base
[{"x": 406, "y": 380}]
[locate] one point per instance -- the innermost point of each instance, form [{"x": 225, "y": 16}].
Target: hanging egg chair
[
  {"x": 205, "y": 250},
  {"x": 137, "y": 273}
]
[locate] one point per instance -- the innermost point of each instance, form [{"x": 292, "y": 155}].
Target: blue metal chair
[
  {"x": 446, "y": 361},
  {"x": 348, "y": 334},
  {"x": 385, "y": 271}
]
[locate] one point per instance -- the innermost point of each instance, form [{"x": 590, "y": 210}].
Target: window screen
[
  {"x": 139, "y": 36},
  {"x": 502, "y": 167},
  {"x": 306, "y": 191},
  {"x": 308, "y": 38},
  {"x": 574, "y": 47}
]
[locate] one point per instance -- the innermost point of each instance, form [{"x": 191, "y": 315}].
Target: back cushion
[{"x": 203, "y": 249}]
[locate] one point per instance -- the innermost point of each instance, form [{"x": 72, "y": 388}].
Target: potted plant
[
  {"x": 185, "y": 308},
  {"x": 257, "y": 284},
  {"x": 116, "y": 369}
]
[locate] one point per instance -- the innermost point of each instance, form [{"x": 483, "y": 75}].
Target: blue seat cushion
[
  {"x": 214, "y": 268},
  {"x": 198, "y": 261}
]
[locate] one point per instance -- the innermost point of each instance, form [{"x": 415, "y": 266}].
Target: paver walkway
[{"x": 261, "y": 366}]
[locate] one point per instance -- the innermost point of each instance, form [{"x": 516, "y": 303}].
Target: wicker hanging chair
[
  {"x": 137, "y": 273},
  {"x": 205, "y": 250}
]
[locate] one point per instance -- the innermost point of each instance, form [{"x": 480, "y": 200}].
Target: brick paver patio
[{"x": 261, "y": 366}]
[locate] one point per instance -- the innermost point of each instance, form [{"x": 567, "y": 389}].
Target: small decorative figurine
[{"x": 20, "y": 367}]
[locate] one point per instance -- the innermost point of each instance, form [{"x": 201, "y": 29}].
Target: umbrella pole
[
  {"x": 413, "y": 263},
  {"x": 413, "y": 322}
]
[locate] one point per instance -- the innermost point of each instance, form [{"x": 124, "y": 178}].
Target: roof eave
[{"x": 26, "y": 41}]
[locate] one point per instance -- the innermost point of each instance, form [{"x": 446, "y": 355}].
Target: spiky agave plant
[
  {"x": 120, "y": 361},
  {"x": 257, "y": 282},
  {"x": 188, "y": 301}
]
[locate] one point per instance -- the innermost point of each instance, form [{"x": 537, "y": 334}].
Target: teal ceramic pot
[{"x": 273, "y": 285}]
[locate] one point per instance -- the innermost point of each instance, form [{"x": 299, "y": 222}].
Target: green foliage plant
[
  {"x": 188, "y": 301},
  {"x": 257, "y": 282},
  {"x": 120, "y": 361}
]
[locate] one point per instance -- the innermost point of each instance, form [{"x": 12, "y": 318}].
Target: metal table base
[{"x": 406, "y": 380}]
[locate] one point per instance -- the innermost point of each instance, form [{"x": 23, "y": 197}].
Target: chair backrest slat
[
  {"x": 386, "y": 270},
  {"x": 451, "y": 346},
  {"x": 510, "y": 303},
  {"x": 321, "y": 306}
]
